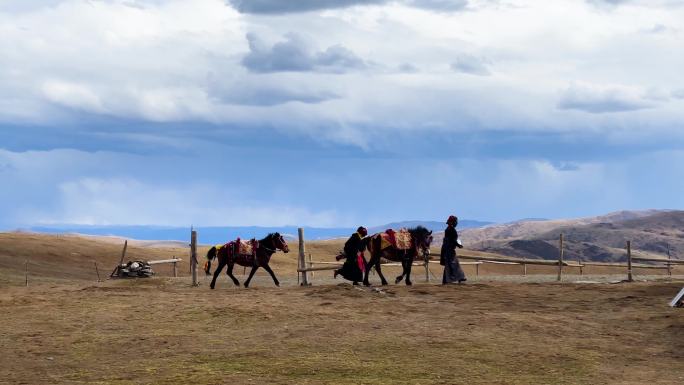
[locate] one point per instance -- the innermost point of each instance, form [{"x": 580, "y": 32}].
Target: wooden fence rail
[
  {"x": 478, "y": 258},
  {"x": 521, "y": 261},
  {"x": 661, "y": 260}
]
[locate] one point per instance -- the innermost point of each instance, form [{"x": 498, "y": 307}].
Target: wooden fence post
[
  {"x": 524, "y": 265},
  {"x": 97, "y": 272},
  {"x": 193, "y": 257},
  {"x": 579, "y": 261},
  {"x": 175, "y": 268},
  {"x": 560, "y": 258},
  {"x": 26, "y": 272},
  {"x": 629, "y": 261},
  {"x": 426, "y": 260},
  {"x": 123, "y": 253},
  {"x": 302, "y": 259},
  {"x": 477, "y": 270},
  {"x": 669, "y": 265},
  {"x": 313, "y": 274}
]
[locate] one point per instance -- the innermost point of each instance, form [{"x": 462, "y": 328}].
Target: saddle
[
  {"x": 399, "y": 239},
  {"x": 247, "y": 248}
]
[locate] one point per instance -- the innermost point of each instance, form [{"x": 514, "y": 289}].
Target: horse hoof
[
  {"x": 278, "y": 284},
  {"x": 211, "y": 287},
  {"x": 384, "y": 283},
  {"x": 408, "y": 283},
  {"x": 366, "y": 284},
  {"x": 397, "y": 280}
]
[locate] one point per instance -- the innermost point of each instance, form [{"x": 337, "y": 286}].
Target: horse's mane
[
  {"x": 268, "y": 236},
  {"x": 419, "y": 231}
]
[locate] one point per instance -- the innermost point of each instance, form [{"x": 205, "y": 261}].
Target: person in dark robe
[
  {"x": 452, "y": 269},
  {"x": 354, "y": 265}
]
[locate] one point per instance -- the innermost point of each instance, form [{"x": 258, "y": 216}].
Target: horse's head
[
  {"x": 422, "y": 238},
  {"x": 280, "y": 243}
]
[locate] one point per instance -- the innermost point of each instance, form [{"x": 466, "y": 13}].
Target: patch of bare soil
[{"x": 162, "y": 331}]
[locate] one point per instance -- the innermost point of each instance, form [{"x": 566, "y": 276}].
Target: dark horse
[
  {"x": 420, "y": 244},
  {"x": 227, "y": 255}
]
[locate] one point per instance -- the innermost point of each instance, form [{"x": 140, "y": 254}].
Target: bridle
[{"x": 275, "y": 246}]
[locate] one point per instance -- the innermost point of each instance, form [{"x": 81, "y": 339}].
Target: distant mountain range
[
  {"x": 431, "y": 225},
  {"x": 600, "y": 238},
  {"x": 216, "y": 234}
]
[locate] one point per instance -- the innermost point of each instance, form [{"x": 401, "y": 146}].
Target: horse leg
[
  {"x": 217, "y": 272},
  {"x": 403, "y": 272},
  {"x": 251, "y": 274},
  {"x": 409, "y": 265},
  {"x": 374, "y": 251},
  {"x": 373, "y": 261},
  {"x": 270, "y": 271},
  {"x": 400, "y": 277},
  {"x": 230, "y": 274},
  {"x": 383, "y": 281}
]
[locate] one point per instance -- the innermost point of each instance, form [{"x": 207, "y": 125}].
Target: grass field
[
  {"x": 162, "y": 331},
  {"x": 65, "y": 328}
]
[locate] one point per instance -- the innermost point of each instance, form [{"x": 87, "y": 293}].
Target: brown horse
[
  {"x": 420, "y": 244},
  {"x": 228, "y": 255}
]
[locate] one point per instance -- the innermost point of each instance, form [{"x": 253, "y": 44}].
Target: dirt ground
[
  {"x": 499, "y": 328},
  {"x": 162, "y": 331}
]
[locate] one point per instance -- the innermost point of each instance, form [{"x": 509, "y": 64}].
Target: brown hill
[
  {"x": 602, "y": 238},
  {"x": 55, "y": 258}
]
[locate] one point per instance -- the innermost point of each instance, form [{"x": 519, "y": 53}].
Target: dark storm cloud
[
  {"x": 470, "y": 65},
  {"x": 438, "y": 5},
  {"x": 252, "y": 95},
  {"x": 292, "y": 6},
  {"x": 295, "y": 54}
]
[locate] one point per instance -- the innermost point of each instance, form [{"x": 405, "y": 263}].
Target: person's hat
[{"x": 362, "y": 230}]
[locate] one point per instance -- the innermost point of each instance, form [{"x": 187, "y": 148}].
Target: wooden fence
[{"x": 306, "y": 266}]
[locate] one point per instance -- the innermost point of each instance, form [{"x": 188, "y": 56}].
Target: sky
[{"x": 337, "y": 113}]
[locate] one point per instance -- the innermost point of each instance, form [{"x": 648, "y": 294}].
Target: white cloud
[
  {"x": 65, "y": 186},
  {"x": 72, "y": 95},
  {"x": 597, "y": 99},
  {"x": 96, "y": 201},
  {"x": 175, "y": 61}
]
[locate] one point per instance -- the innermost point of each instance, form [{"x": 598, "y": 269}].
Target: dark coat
[
  {"x": 449, "y": 245},
  {"x": 351, "y": 270},
  {"x": 452, "y": 268},
  {"x": 354, "y": 245}
]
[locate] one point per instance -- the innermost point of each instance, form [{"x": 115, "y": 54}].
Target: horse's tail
[{"x": 211, "y": 254}]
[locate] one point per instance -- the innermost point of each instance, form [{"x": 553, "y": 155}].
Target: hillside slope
[
  {"x": 599, "y": 238},
  {"x": 58, "y": 258}
]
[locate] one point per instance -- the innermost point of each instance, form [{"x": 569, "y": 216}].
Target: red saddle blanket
[{"x": 400, "y": 239}]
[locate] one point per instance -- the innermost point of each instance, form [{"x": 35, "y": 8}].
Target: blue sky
[{"x": 337, "y": 112}]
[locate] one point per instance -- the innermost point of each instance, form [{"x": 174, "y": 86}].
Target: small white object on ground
[{"x": 678, "y": 300}]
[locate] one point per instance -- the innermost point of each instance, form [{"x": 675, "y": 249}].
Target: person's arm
[{"x": 456, "y": 240}]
